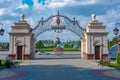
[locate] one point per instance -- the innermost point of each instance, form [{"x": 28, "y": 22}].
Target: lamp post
[
  {"x": 116, "y": 31},
  {"x": 1, "y": 30}
]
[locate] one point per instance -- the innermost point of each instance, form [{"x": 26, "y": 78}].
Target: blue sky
[{"x": 107, "y": 11}]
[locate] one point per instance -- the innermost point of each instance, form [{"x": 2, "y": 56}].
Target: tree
[
  {"x": 39, "y": 45},
  {"x": 66, "y": 45},
  {"x": 79, "y": 43},
  {"x": 115, "y": 40},
  {"x": 118, "y": 58},
  {"x": 71, "y": 45},
  {"x": 112, "y": 42}
]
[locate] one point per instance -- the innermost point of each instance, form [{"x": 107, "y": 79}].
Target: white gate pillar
[
  {"x": 94, "y": 40},
  {"x": 22, "y": 42}
]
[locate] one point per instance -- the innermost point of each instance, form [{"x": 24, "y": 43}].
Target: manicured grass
[
  {"x": 71, "y": 49},
  {"x": 116, "y": 66},
  {"x": 113, "y": 64},
  {"x": 47, "y": 49},
  {"x": 64, "y": 49}
]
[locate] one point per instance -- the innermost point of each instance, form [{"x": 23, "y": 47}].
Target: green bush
[
  {"x": 118, "y": 58},
  {"x": 3, "y": 61}
]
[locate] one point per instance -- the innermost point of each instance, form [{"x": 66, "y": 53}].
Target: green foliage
[
  {"x": 115, "y": 40},
  {"x": 79, "y": 43},
  {"x": 3, "y": 61},
  {"x": 2, "y": 66},
  {"x": 66, "y": 45},
  {"x": 112, "y": 42},
  {"x": 118, "y": 58},
  {"x": 39, "y": 45},
  {"x": 51, "y": 45},
  {"x": 69, "y": 45}
]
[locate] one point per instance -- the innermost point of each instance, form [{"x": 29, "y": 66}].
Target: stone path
[{"x": 60, "y": 69}]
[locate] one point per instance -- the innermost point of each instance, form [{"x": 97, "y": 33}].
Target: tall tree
[
  {"x": 79, "y": 43},
  {"x": 39, "y": 44}
]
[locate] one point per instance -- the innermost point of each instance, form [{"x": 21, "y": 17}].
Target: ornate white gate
[{"x": 58, "y": 23}]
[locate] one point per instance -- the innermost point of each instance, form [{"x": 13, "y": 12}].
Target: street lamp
[
  {"x": 1, "y": 30},
  {"x": 116, "y": 31}
]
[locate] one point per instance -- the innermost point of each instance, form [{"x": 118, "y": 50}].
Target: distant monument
[
  {"x": 58, "y": 40},
  {"x": 58, "y": 50}
]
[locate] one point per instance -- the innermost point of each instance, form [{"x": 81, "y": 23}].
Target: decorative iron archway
[{"x": 58, "y": 23}]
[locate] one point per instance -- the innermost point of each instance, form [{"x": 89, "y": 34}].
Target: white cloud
[
  {"x": 14, "y": 14},
  {"x": 57, "y": 4},
  {"x": 2, "y": 11},
  {"x": 23, "y": 6},
  {"x": 88, "y": 2},
  {"x": 114, "y": 13},
  {"x": 30, "y": 21},
  {"x": 61, "y": 3},
  {"x": 109, "y": 20},
  {"x": 37, "y": 5}
]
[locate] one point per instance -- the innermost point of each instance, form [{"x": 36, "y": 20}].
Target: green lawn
[
  {"x": 71, "y": 49},
  {"x": 64, "y": 49},
  {"x": 113, "y": 64},
  {"x": 116, "y": 66}
]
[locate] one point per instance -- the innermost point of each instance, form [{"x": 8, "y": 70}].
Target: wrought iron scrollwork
[{"x": 58, "y": 22}]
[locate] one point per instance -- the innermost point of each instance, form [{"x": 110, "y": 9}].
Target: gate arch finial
[
  {"x": 22, "y": 16},
  {"x": 93, "y": 16}
]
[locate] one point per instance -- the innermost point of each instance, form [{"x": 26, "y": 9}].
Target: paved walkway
[{"x": 60, "y": 69}]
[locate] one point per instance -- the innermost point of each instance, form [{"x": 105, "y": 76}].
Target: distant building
[{"x": 47, "y": 43}]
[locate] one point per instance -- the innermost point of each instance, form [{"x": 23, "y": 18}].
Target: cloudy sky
[{"x": 107, "y": 11}]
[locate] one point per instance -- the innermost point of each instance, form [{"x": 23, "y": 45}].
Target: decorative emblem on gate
[{"x": 58, "y": 21}]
